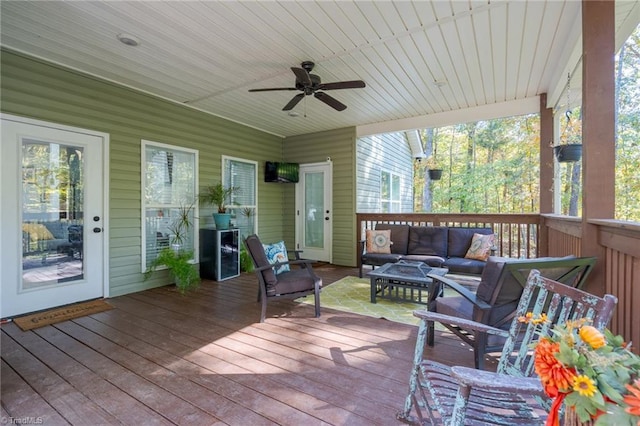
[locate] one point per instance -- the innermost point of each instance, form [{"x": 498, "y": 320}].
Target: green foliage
[
  {"x": 177, "y": 260},
  {"x": 246, "y": 264},
  {"x": 184, "y": 273},
  {"x": 488, "y": 167},
  {"x": 217, "y": 195}
]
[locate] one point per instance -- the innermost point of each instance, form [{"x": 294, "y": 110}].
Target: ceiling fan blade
[
  {"x": 354, "y": 84},
  {"x": 302, "y": 76},
  {"x": 332, "y": 102},
  {"x": 293, "y": 102},
  {"x": 272, "y": 89}
]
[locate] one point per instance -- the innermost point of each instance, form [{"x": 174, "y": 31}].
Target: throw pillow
[
  {"x": 378, "y": 241},
  {"x": 277, "y": 252},
  {"x": 480, "y": 247}
]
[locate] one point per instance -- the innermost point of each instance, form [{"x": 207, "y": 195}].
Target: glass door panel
[{"x": 52, "y": 213}]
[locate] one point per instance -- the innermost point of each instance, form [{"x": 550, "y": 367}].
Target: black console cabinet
[{"x": 219, "y": 254}]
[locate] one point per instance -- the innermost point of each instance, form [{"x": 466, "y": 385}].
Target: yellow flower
[
  {"x": 584, "y": 386},
  {"x": 592, "y": 336},
  {"x": 540, "y": 319}
]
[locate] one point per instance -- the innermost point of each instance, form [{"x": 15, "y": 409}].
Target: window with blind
[
  {"x": 243, "y": 205},
  {"x": 389, "y": 192},
  {"x": 169, "y": 182}
]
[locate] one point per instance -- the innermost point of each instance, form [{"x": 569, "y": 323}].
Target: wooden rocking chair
[{"x": 457, "y": 396}]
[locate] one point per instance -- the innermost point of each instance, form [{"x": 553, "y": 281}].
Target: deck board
[{"x": 203, "y": 358}]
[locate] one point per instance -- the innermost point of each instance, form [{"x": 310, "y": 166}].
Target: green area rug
[{"x": 352, "y": 294}]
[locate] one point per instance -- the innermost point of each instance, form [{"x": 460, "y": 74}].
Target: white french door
[
  {"x": 314, "y": 211},
  {"x": 51, "y": 221}
]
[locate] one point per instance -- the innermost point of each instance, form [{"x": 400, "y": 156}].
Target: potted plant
[
  {"x": 433, "y": 170},
  {"x": 568, "y": 153},
  {"x": 175, "y": 258},
  {"x": 217, "y": 195}
]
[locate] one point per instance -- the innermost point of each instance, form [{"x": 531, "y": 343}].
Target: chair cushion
[
  {"x": 429, "y": 240},
  {"x": 260, "y": 258},
  {"x": 399, "y": 236},
  {"x": 460, "y": 239},
  {"x": 480, "y": 247},
  {"x": 378, "y": 241},
  {"x": 464, "y": 266},
  {"x": 295, "y": 281},
  {"x": 456, "y": 306},
  {"x": 277, "y": 252},
  {"x": 489, "y": 278}
]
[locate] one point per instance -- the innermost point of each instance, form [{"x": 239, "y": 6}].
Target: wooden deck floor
[{"x": 159, "y": 358}]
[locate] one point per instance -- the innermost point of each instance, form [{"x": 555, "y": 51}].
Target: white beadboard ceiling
[{"x": 207, "y": 54}]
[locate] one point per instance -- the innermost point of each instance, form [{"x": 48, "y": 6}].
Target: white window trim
[
  {"x": 196, "y": 213},
  {"x": 255, "y": 186},
  {"x": 391, "y": 201}
]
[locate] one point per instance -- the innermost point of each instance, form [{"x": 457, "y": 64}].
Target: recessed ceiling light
[
  {"x": 129, "y": 40},
  {"x": 293, "y": 114}
]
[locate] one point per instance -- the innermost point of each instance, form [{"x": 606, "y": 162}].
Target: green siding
[
  {"x": 32, "y": 88},
  {"x": 339, "y": 144}
]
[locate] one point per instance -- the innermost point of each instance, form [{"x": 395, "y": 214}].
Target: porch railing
[{"x": 518, "y": 235}]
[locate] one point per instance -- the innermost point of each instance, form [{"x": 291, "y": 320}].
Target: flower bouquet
[{"x": 593, "y": 373}]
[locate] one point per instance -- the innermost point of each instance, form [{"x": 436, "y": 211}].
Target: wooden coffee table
[{"x": 403, "y": 280}]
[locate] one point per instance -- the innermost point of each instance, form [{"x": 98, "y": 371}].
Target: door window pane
[
  {"x": 52, "y": 213},
  {"x": 314, "y": 208}
]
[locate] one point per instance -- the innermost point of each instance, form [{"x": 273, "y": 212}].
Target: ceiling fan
[{"x": 310, "y": 84}]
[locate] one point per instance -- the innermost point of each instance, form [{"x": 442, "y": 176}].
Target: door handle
[
  {"x": 326, "y": 218},
  {"x": 97, "y": 230}
]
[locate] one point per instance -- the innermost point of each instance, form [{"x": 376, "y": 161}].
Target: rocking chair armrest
[
  {"x": 464, "y": 323},
  {"x": 464, "y": 292},
  {"x": 490, "y": 380}
]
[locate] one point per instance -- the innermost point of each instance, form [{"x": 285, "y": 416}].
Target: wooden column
[
  {"x": 598, "y": 124},
  {"x": 546, "y": 156}
]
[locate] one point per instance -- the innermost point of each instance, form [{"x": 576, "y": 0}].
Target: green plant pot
[{"x": 222, "y": 220}]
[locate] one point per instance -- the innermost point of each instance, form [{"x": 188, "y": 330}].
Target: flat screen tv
[{"x": 281, "y": 172}]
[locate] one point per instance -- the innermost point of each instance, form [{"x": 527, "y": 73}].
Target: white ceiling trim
[{"x": 485, "y": 112}]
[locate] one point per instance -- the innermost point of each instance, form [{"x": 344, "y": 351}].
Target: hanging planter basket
[
  {"x": 435, "y": 174},
  {"x": 568, "y": 153}
]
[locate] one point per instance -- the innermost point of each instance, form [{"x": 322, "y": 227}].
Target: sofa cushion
[
  {"x": 464, "y": 266},
  {"x": 435, "y": 261},
  {"x": 428, "y": 240},
  {"x": 460, "y": 239},
  {"x": 379, "y": 259},
  {"x": 378, "y": 241},
  {"x": 399, "y": 237},
  {"x": 480, "y": 247}
]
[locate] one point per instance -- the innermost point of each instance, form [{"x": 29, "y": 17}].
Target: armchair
[
  {"x": 440, "y": 394},
  {"x": 291, "y": 285},
  {"x": 496, "y": 299}
]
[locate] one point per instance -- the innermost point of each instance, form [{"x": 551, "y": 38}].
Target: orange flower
[
  {"x": 592, "y": 336},
  {"x": 633, "y": 399},
  {"x": 554, "y": 375}
]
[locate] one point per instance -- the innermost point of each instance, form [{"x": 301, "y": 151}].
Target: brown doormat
[{"x": 77, "y": 310}]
